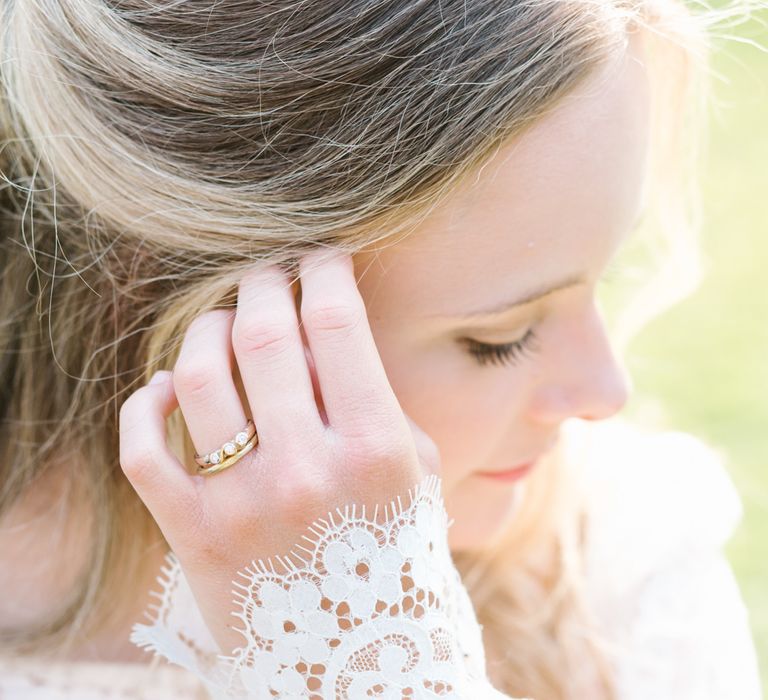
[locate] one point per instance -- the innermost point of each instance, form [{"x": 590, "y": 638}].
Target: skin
[
  {"x": 553, "y": 204},
  {"x": 358, "y": 391}
]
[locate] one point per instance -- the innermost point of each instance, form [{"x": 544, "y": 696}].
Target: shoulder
[
  {"x": 660, "y": 507},
  {"x": 650, "y": 495}
]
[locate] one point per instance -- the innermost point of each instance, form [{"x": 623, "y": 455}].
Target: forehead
[{"x": 553, "y": 203}]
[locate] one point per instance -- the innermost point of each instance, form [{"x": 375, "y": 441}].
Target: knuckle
[
  {"x": 195, "y": 378},
  {"x": 302, "y": 496},
  {"x": 334, "y": 317},
  {"x": 378, "y": 448},
  {"x": 132, "y": 411},
  {"x": 269, "y": 337},
  {"x": 374, "y": 429},
  {"x": 207, "y": 322},
  {"x": 126, "y": 410},
  {"x": 139, "y": 464}
]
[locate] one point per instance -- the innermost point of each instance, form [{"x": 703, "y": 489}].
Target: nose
[{"x": 582, "y": 375}]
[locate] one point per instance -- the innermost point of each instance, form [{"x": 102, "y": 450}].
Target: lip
[
  {"x": 518, "y": 471},
  {"x": 513, "y": 474}
]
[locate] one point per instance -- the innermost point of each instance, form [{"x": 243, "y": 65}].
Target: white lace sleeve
[{"x": 369, "y": 608}]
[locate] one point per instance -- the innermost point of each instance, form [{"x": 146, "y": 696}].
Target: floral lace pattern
[
  {"x": 366, "y": 608},
  {"x": 656, "y": 578}
]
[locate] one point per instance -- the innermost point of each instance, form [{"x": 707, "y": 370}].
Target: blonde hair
[{"x": 152, "y": 151}]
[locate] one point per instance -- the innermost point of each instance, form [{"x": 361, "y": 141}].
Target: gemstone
[
  {"x": 215, "y": 458},
  {"x": 241, "y": 438},
  {"x": 229, "y": 448}
]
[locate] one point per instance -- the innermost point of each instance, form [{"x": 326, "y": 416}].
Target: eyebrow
[
  {"x": 527, "y": 298},
  {"x": 533, "y": 295}
]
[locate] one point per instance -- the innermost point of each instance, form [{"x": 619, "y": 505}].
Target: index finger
[{"x": 353, "y": 383}]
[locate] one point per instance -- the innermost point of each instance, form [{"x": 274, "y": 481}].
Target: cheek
[{"x": 470, "y": 412}]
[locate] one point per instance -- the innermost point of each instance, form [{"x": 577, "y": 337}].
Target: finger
[
  {"x": 352, "y": 379},
  {"x": 160, "y": 480},
  {"x": 271, "y": 359},
  {"x": 205, "y": 387}
]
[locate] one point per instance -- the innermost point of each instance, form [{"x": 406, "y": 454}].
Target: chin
[
  {"x": 460, "y": 542},
  {"x": 481, "y": 515}
]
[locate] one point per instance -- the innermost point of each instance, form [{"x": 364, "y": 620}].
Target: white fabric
[
  {"x": 368, "y": 608},
  {"x": 661, "y": 504}
]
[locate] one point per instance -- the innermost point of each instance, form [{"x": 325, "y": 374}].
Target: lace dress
[{"x": 378, "y": 610}]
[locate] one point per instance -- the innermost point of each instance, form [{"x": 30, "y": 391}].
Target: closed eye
[{"x": 504, "y": 353}]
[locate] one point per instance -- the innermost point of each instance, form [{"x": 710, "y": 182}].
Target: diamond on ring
[{"x": 243, "y": 442}]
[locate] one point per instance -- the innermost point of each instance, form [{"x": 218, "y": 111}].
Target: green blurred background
[{"x": 702, "y": 366}]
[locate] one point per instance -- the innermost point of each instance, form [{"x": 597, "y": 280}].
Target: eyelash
[
  {"x": 512, "y": 353},
  {"x": 506, "y": 353}
]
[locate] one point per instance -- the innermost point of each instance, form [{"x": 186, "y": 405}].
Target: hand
[{"x": 360, "y": 449}]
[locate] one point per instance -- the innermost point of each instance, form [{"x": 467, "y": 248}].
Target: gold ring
[
  {"x": 230, "y": 452},
  {"x": 229, "y": 461}
]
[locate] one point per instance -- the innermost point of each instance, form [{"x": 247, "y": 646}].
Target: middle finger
[{"x": 271, "y": 357}]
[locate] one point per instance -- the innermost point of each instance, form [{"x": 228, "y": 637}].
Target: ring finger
[{"x": 203, "y": 382}]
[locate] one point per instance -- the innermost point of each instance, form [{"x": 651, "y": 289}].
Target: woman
[{"x": 376, "y": 231}]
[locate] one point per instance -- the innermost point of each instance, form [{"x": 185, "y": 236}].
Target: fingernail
[{"x": 158, "y": 377}]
